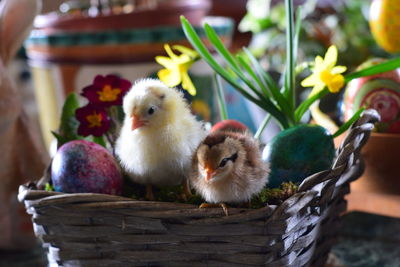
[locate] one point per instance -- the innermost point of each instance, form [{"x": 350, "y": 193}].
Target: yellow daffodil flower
[
  {"x": 200, "y": 107},
  {"x": 176, "y": 67},
  {"x": 325, "y": 73}
]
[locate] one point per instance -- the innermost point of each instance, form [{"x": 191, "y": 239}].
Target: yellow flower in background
[
  {"x": 177, "y": 67},
  {"x": 325, "y": 73},
  {"x": 200, "y": 107}
]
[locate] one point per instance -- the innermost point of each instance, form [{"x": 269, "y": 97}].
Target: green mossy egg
[{"x": 298, "y": 152}]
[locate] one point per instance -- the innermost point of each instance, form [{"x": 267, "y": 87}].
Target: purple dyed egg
[{"x": 85, "y": 167}]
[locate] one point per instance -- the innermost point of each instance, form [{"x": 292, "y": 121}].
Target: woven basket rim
[{"x": 40, "y": 198}]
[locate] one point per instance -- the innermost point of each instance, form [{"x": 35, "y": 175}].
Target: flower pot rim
[
  {"x": 385, "y": 135},
  {"x": 165, "y": 14}
]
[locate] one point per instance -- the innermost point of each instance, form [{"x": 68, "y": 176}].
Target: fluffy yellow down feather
[{"x": 159, "y": 134}]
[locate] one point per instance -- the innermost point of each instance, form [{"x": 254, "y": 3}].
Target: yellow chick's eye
[{"x": 151, "y": 110}]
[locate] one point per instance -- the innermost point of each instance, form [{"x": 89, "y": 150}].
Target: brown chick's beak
[
  {"x": 209, "y": 174},
  {"x": 137, "y": 122}
]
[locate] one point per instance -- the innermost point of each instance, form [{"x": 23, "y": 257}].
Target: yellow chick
[
  {"x": 227, "y": 168},
  {"x": 158, "y": 137}
]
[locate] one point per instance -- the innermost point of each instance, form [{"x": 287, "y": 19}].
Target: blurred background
[{"x": 72, "y": 41}]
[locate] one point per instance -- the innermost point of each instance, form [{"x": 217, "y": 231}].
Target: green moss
[
  {"x": 274, "y": 196},
  {"x": 49, "y": 187},
  {"x": 169, "y": 194},
  {"x": 164, "y": 194}
]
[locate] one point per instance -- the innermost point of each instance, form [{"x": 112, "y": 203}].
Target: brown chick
[{"x": 227, "y": 168}]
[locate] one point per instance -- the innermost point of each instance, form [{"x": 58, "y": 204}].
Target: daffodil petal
[
  {"x": 331, "y": 57},
  {"x": 317, "y": 88},
  {"x": 319, "y": 62},
  {"x": 169, "y": 52},
  {"x": 186, "y": 66},
  {"x": 188, "y": 84},
  {"x": 169, "y": 77},
  {"x": 310, "y": 81},
  {"x": 186, "y": 51},
  {"x": 165, "y": 61},
  {"x": 183, "y": 59},
  {"x": 338, "y": 69}
]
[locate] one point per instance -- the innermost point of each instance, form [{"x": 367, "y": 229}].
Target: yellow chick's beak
[
  {"x": 137, "y": 122},
  {"x": 209, "y": 173}
]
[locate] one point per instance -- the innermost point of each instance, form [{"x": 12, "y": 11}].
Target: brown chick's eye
[
  {"x": 151, "y": 111},
  {"x": 225, "y": 160},
  {"x": 234, "y": 157}
]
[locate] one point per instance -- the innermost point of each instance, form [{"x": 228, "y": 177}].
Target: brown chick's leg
[
  {"x": 149, "y": 192},
  {"x": 218, "y": 205},
  {"x": 186, "y": 190}
]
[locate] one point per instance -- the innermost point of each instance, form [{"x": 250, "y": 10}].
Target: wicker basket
[{"x": 104, "y": 230}]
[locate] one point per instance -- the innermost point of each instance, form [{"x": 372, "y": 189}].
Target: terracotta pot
[{"x": 382, "y": 160}]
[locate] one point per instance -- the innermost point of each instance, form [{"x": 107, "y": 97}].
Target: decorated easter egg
[
  {"x": 229, "y": 125},
  {"x": 384, "y": 22},
  {"x": 85, "y": 167},
  {"x": 298, "y": 152},
  {"x": 380, "y": 92}
]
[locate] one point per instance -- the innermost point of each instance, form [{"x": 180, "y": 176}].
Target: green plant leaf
[
  {"x": 253, "y": 75},
  {"x": 99, "y": 140},
  {"x": 297, "y": 34},
  {"x": 303, "y": 107},
  {"x": 230, "y": 59},
  {"x": 375, "y": 69},
  {"x": 221, "y": 98},
  {"x": 219, "y": 46},
  {"x": 60, "y": 139},
  {"x": 269, "y": 83},
  {"x": 70, "y": 105},
  {"x": 348, "y": 123},
  {"x": 262, "y": 127},
  {"x": 68, "y": 129},
  {"x": 254, "y": 24},
  {"x": 196, "y": 42},
  {"x": 290, "y": 63}
]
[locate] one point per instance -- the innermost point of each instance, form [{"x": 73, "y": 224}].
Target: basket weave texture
[{"x": 103, "y": 230}]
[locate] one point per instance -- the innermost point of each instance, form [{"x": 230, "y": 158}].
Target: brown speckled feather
[{"x": 250, "y": 144}]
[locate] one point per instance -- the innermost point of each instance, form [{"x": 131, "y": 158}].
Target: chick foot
[
  {"x": 149, "y": 192},
  {"x": 216, "y": 205}
]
